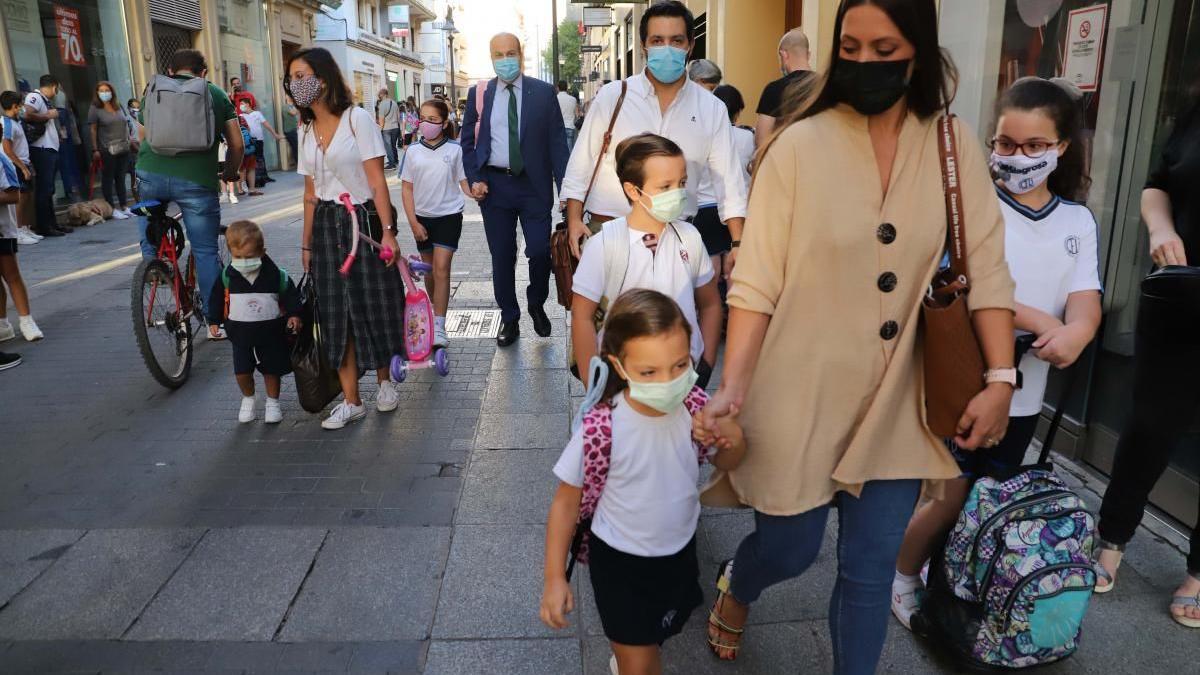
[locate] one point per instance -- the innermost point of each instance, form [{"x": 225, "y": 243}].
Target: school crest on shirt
[{"x": 1071, "y": 243}]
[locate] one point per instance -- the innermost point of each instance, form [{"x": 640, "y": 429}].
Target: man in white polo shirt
[
  {"x": 660, "y": 101},
  {"x": 40, "y": 113}
]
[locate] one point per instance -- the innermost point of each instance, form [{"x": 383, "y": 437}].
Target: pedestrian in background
[
  {"x": 109, "y": 131},
  {"x": 134, "y": 108},
  {"x": 71, "y": 150},
  {"x": 291, "y": 122},
  {"x": 341, "y": 151},
  {"x": 774, "y": 103},
  {"x": 41, "y": 131},
  {"x": 387, "y": 116},
  {"x": 743, "y": 136},
  {"x": 410, "y": 122},
  {"x": 844, "y": 367},
  {"x": 717, "y": 240},
  {"x": 570, "y": 112},
  {"x": 693, "y": 119},
  {"x": 1166, "y": 400},
  {"x": 705, "y": 73},
  {"x": 514, "y": 165},
  {"x": 16, "y": 148},
  {"x": 257, "y": 122},
  {"x": 10, "y": 271}
]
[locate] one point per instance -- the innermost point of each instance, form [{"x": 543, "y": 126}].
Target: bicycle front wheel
[{"x": 163, "y": 331}]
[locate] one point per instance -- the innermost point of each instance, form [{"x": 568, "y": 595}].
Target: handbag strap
[
  {"x": 956, "y": 236},
  {"x": 612, "y": 122}
]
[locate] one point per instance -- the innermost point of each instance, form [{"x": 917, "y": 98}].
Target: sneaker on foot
[
  {"x": 343, "y": 414},
  {"x": 439, "y": 337},
  {"x": 30, "y": 329},
  {"x": 6, "y": 330},
  {"x": 233, "y": 198},
  {"x": 25, "y": 239},
  {"x": 120, "y": 214},
  {"x": 273, "y": 414},
  {"x": 220, "y": 334},
  {"x": 246, "y": 413},
  {"x": 9, "y": 360},
  {"x": 904, "y": 599},
  {"x": 30, "y": 233},
  {"x": 224, "y": 197},
  {"x": 388, "y": 398}
]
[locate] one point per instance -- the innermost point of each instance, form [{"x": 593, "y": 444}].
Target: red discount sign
[{"x": 70, "y": 42}]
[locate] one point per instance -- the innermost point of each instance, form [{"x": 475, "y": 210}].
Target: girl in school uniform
[
  {"x": 1050, "y": 243},
  {"x": 433, "y": 184},
  {"x": 341, "y": 151},
  {"x": 640, "y": 503}
]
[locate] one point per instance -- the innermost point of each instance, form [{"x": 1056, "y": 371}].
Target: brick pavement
[{"x": 143, "y": 529}]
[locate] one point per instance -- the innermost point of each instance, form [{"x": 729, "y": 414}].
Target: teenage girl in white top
[
  {"x": 642, "y": 544},
  {"x": 433, "y": 182},
  {"x": 1050, "y": 242},
  {"x": 361, "y": 315}
]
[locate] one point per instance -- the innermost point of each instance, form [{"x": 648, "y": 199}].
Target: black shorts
[
  {"x": 444, "y": 232},
  {"x": 1002, "y": 458},
  {"x": 269, "y": 357},
  {"x": 643, "y": 601},
  {"x": 713, "y": 231},
  {"x": 8, "y": 246},
  {"x": 24, "y": 185}
]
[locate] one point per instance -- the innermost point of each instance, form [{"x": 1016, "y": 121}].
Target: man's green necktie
[{"x": 515, "y": 163}]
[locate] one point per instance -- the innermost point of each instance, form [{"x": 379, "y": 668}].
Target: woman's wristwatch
[{"x": 1010, "y": 376}]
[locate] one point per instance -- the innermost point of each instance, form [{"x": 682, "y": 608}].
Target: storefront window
[
  {"x": 81, "y": 43},
  {"x": 244, "y": 49}
]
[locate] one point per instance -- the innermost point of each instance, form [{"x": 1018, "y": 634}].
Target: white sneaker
[
  {"x": 246, "y": 413},
  {"x": 233, "y": 198},
  {"x": 6, "y": 330},
  {"x": 30, "y": 329},
  {"x": 439, "y": 337},
  {"x": 120, "y": 214},
  {"x": 30, "y": 233},
  {"x": 343, "y": 414},
  {"x": 388, "y": 398},
  {"x": 25, "y": 239},
  {"x": 904, "y": 599},
  {"x": 220, "y": 334},
  {"x": 274, "y": 414}
]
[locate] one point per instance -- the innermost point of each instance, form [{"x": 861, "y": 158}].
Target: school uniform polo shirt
[{"x": 435, "y": 172}]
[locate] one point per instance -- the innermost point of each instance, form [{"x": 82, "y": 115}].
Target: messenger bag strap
[
  {"x": 956, "y": 236},
  {"x": 612, "y": 122}
]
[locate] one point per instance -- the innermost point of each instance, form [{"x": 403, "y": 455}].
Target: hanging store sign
[
  {"x": 597, "y": 16},
  {"x": 589, "y": 49},
  {"x": 1084, "y": 51},
  {"x": 70, "y": 41}
]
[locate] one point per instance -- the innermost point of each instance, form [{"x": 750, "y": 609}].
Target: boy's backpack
[
  {"x": 35, "y": 130},
  {"x": 1013, "y": 582},
  {"x": 283, "y": 286},
  {"x": 596, "y": 421},
  {"x": 178, "y": 115},
  {"x": 247, "y": 141}
]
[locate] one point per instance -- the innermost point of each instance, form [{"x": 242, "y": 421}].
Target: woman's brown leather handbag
[
  {"x": 954, "y": 366},
  {"x": 561, "y": 261}
]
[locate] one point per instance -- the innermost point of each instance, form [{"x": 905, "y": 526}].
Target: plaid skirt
[{"x": 369, "y": 302}]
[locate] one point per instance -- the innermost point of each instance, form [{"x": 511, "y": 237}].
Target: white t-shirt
[
  {"x": 341, "y": 168},
  {"x": 743, "y": 146},
  {"x": 664, "y": 270},
  {"x": 9, "y": 179},
  {"x": 568, "y": 105},
  {"x": 435, "y": 174},
  {"x": 1051, "y": 253},
  {"x": 254, "y": 120},
  {"x": 651, "y": 502},
  {"x": 50, "y": 139},
  {"x": 14, "y": 133}
]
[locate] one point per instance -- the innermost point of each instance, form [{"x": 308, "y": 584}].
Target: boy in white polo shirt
[{"x": 433, "y": 184}]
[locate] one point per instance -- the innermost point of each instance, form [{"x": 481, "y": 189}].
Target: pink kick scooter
[{"x": 418, "y": 310}]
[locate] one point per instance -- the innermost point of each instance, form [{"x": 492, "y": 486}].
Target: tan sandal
[
  {"x": 715, "y": 644},
  {"x": 1110, "y": 578}
]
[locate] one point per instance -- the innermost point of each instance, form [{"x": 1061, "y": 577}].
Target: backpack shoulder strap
[
  {"x": 283, "y": 281},
  {"x": 597, "y": 451},
  {"x": 615, "y": 240},
  {"x": 695, "y": 402}
]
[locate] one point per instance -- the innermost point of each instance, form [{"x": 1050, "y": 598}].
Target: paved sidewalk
[{"x": 142, "y": 529}]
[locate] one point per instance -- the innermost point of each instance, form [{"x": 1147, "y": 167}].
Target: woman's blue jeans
[{"x": 870, "y": 529}]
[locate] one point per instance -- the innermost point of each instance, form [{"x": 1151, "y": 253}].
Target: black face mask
[{"x": 870, "y": 87}]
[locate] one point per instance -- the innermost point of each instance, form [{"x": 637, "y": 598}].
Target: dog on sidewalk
[{"x": 88, "y": 213}]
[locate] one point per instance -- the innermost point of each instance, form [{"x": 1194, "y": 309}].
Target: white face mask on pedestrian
[{"x": 1021, "y": 174}]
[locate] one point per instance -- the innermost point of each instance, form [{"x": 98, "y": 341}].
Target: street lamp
[{"x": 448, "y": 26}]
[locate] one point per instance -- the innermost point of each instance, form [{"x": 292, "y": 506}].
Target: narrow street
[{"x": 145, "y": 529}]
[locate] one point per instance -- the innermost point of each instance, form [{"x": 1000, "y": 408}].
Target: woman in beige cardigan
[{"x": 846, "y": 228}]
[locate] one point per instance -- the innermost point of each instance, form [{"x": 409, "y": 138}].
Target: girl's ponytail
[{"x": 1060, "y": 100}]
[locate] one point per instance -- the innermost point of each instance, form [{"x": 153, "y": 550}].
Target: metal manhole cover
[{"x": 472, "y": 323}]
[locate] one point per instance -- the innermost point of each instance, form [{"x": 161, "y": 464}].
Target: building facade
[
  {"x": 434, "y": 45},
  {"x": 360, "y": 37}
]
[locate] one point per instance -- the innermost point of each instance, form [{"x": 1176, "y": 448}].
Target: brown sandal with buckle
[{"x": 715, "y": 643}]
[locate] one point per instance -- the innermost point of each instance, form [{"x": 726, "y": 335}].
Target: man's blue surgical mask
[
  {"x": 507, "y": 68},
  {"x": 666, "y": 63}
]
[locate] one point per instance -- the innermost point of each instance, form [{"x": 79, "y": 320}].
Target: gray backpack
[{"x": 178, "y": 115}]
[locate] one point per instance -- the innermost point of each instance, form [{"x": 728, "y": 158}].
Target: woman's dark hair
[
  {"x": 97, "y": 103},
  {"x": 335, "y": 96},
  {"x": 131, "y": 101},
  {"x": 1070, "y": 179},
  {"x": 633, "y": 152},
  {"x": 637, "y": 313},
  {"x": 934, "y": 78},
  {"x": 668, "y": 8},
  {"x": 444, "y": 110},
  {"x": 191, "y": 60},
  {"x": 732, "y": 98}
]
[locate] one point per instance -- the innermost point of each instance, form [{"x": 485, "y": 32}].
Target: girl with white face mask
[{"x": 1051, "y": 246}]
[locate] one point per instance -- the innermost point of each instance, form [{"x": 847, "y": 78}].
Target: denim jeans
[
  {"x": 45, "y": 165},
  {"x": 201, "y": 220},
  {"x": 390, "y": 137},
  {"x": 870, "y": 529},
  {"x": 570, "y": 138}
]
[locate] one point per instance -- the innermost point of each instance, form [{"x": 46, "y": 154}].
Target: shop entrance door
[{"x": 1168, "y": 61}]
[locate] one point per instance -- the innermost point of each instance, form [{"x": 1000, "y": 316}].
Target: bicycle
[{"x": 165, "y": 299}]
